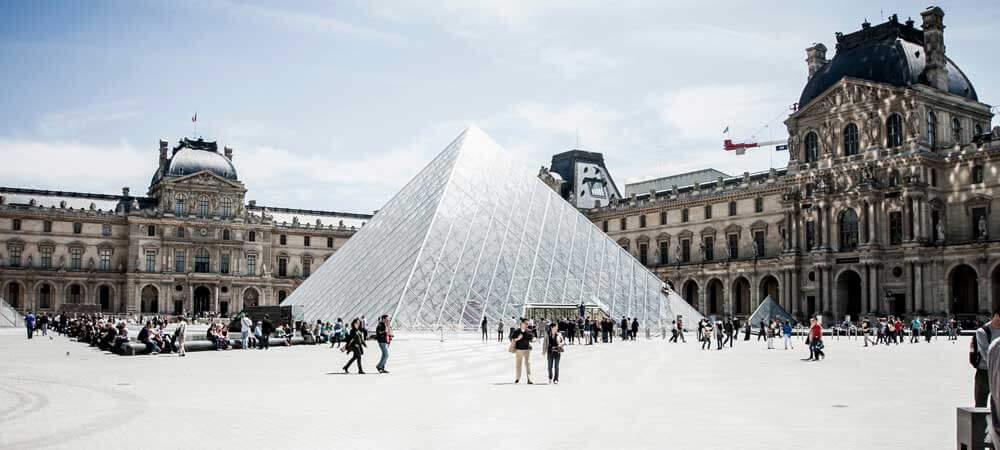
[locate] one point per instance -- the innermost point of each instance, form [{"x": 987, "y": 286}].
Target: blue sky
[{"x": 336, "y": 104}]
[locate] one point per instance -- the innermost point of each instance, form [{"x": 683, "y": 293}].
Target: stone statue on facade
[
  {"x": 793, "y": 147},
  {"x": 29, "y": 262},
  {"x": 940, "y": 231},
  {"x": 983, "y": 232}
]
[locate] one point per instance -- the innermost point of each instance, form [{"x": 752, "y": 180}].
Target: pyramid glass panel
[{"x": 454, "y": 247}]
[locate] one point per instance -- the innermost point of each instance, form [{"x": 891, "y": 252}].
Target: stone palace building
[
  {"x": 886, "y": 205},
  {"x": 191, "y": 244}
]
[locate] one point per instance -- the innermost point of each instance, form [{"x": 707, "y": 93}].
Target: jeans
[
  {"x": 554, "y": 358},
  {"x": 788, "y": 342},
  {"x": 384, "y": 348},
  {"x": 246, "y": 339},
  {"x": 152, "y": 347}
]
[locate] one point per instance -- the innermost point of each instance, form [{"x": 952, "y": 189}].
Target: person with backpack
[{"x": 979, "y": 346}]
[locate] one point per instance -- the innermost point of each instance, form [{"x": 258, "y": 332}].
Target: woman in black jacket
[{"x": 355, "y": 344}]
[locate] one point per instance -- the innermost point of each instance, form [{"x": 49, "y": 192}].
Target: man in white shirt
[{"x": 245, "y": 325}]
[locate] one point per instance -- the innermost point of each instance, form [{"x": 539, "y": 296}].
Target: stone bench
[
  {"x": 134, "y": 348},
  {"x": 972, "y": 428}
]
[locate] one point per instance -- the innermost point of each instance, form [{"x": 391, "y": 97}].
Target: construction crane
[{"x": 741, "y": 147}]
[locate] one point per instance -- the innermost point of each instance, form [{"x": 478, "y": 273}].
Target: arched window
[
  {"x": 979, "y": 129},
  {"x": 894, "y": 131},
  {"x": 225, "y": 235},
  {"x": 203, "y": 206},
  {"x": 202, "y": 261},
  {"x": 848, "y": 222},
  {"x": 226, "y": 207},
  {"x": 956, "y": 130},
  {"x": 850, "y": 140},
  {"x": 180, "y": 205},
  {"x": 931, "y": 129},
  {"x": 73, "y": 294},
  {"x": 812, "y": 147}
]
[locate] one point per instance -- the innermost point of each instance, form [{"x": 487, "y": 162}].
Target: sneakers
[
  {"x": 529, "y": 381},
  {"x": 517, "y": 381}
]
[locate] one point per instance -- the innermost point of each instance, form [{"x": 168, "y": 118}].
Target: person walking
[
  {"x": 384, "y": 336},
  {"x": 915, "y": 330},
  {"x": 355, "y": 344},
  {"x": 500, "y": 331},
  {"x": 553, "y": 349},
  {"x": 266, "y": 328},
  {"x": 786, "y": 331},
  {"x": 980, "y": 345},
  {"x": 29, "y": 323},
  {"x": 338, "y": 333},
  {"x": 719, "y": 333},
  {"x": 728, "y": 327},
  {"x": 635, "y": 327},
  {"x": 680, "y": 329},
  {"x": 486, "y": 334},
  {"x": 761, "y": 335},
  {"x": 521, "y": 347},
  {"x": 770, "y": 335},
  {"x": 816, "y": 340},
  {"x": 245, "y": 326},
  {"x": 706, "y": 335},
  {"x": 180, "y": 335}
]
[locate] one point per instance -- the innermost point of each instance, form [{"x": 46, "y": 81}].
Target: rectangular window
[
  {"x": 329, "y": 242},
  {"x": 47, "y": 226},
  {"x": 758, "y": 204},
  {"x": 684, "y": 215},
  {"x": 179, "y": 208},
  {"x": 622, "y": 224},
  {"x": 77, "y": 228},
  {"x": 45, "y": 296},
  {"x": 604, "y": 226},
  {"x": 732, "y": 209},
  {"x": 202, "y": 262},
  {"x": 643, "y": 254},
  {"x": 305, "y": 241},
  {"x": 758, "y": 241},
  {"x": 151, "y": 231},
  {"x": 663, "y": 217},
  {"x": 76, "y": 258},
  {"x": 106, "y": 230},
  {"x": 46, "y": 257},
  {"x": 977, "y": 174},
  {"x": 203, "y": 209},
  {"x": 895, "y": 228},
  {"x": 934, "y": 177},
  {"x": 180, "y": 232},
  {"x": 642, "y": 221},
  {"x": 734, "y": 246},
  {"x": 685, "y": 250},
  {"x": 282, "y": 267},
  {"x": 251, "y": 264},
  {"x": 624, "y": 246},
  {"x": 15, "y": 257},
  {"x": 151, "y": 261},
  {"x": 252, "y": 237},
  {"x": 708, "y": 212},
  {"x": 810, "y": 234},
  {"x": 16, "y": 225},
  {"x": 664, "y": 252},
  {"x": 224, "y": 263},
  {"x": 104, "y": 255},
  {"x": 283, "y": 240},
  {"x": 306, "y": 267},
  {"x": 709, "y": 248},
  {"x": 179, "y": 261}
]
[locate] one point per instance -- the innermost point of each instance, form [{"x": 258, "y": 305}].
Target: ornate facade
[
  {"x": 885, "y": 206},
  {"x": 192, "y": 244}
]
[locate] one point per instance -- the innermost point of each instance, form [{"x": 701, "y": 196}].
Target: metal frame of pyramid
[
  {"x": 471, "y": 236},
  {"x": 770, "y": 309}
]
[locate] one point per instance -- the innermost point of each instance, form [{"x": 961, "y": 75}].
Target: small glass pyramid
[{"x": 474, "y": 236}]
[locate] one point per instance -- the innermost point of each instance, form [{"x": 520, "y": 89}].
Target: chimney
[
  {"x": 163, "y": 157},
  {"x": 815, "y": 58},
  {"x": 229, "y": 153},
  {"x": 125, "y": 191},
  {"x": 935, "y": 69}
]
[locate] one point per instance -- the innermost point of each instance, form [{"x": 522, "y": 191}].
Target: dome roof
[
  {"x": 193, "y": 156},
  {"x": 890, "y": 53}
]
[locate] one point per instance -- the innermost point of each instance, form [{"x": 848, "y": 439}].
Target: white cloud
[
  {"x": 76, "y": 121},
  {"x": 80, "y": 168},
  {"x": 573, "y": 63}
]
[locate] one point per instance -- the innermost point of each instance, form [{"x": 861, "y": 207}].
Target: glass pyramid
[{"x": 472, "y": 236}]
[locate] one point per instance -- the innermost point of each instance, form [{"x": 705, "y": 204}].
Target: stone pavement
[{"x": 55, "y": 393}]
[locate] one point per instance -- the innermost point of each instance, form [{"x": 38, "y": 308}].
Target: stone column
[
  {"x": 820, "y": 291},
  {"x": 215, "y": 299},
  {"x": 797, "y": 221},
  {"x": 918, "y": 291},
  {"x": 795, "y": 292},
  {"x": 818, "y": 230},
  {"x": 827, "y": 212},
  {"x": 832, "y": 295}
]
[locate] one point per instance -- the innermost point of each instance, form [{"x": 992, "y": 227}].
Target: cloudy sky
[{"x": 336, "y": 104}]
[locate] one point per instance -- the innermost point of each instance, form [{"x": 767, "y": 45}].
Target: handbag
[{"x": 510, "y": 348}]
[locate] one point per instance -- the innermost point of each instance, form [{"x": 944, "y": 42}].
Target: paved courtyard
[{"x": 459, "y": 394}]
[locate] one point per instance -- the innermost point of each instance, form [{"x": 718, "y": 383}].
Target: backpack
[{"x": 974, "y": 356}]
